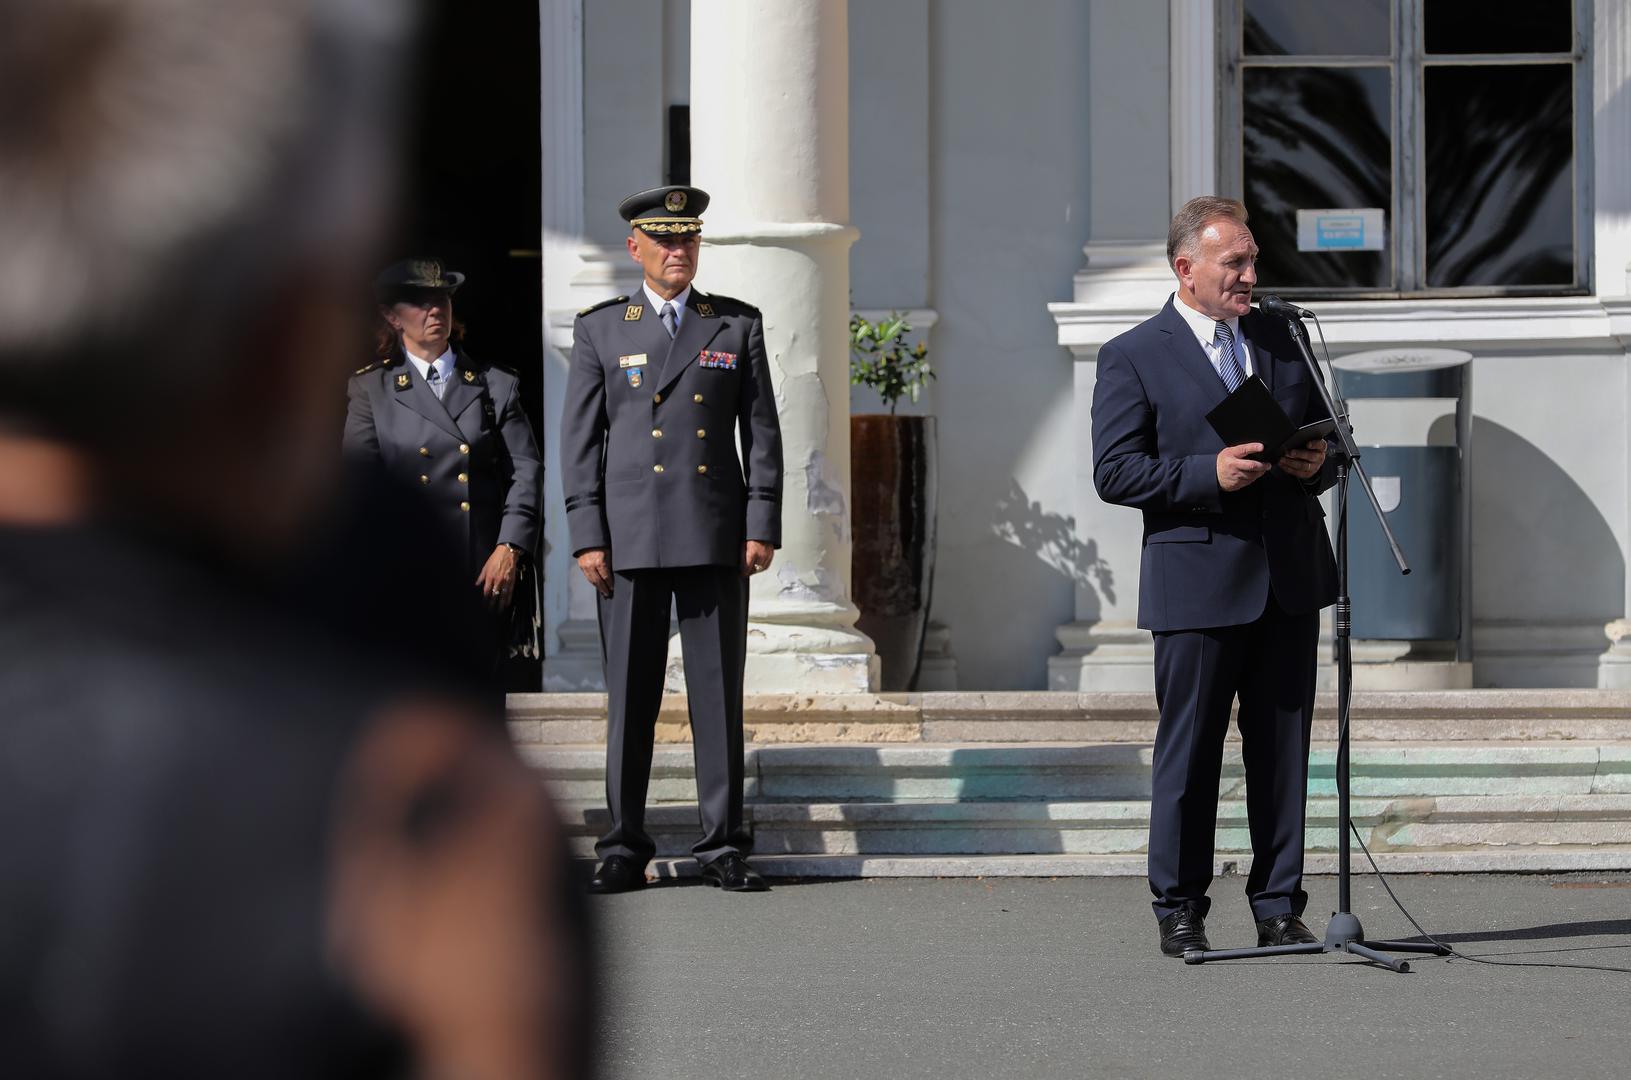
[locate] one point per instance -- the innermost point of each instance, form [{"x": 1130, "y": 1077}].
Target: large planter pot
[{"x": 893, "y": 492}]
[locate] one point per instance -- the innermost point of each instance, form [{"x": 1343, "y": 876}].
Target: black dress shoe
[
  {"x": 1284, "y": 930},
  {"x": 617, "y": 874},
  {"x": 1182, "y": 931},
  {"x": 733, "y": 874}
]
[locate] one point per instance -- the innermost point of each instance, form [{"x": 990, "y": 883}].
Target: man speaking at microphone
[{"x": 1236, "y": 566}]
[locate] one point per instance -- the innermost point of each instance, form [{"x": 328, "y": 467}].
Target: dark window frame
[{"x": 1406, "y": 245}]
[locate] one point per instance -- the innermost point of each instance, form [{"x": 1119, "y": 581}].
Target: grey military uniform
[
  {"x": 472, "y": 452},
  {"x": 651, "y": 473}
]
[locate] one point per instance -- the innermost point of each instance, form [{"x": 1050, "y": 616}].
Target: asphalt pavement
[{"x": 1020, "y": 977}]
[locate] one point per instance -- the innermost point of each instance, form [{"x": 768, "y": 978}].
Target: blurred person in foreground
[
  {"x": 254, "y": 821},
  {"x": 434, "y": 417}
]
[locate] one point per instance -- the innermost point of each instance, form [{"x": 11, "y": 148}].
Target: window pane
[
  {"x": 1499, "y": 26},
  {"x": 1299, "y": 28},
  {"x": 1301, "y": 153},
  {"x": 1500, "y": 182}
]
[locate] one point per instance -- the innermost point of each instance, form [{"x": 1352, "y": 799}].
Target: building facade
[{"x": 1006, "y": 172}]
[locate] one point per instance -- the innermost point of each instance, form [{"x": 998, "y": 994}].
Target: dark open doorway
[{"x": 473, "y": 193}]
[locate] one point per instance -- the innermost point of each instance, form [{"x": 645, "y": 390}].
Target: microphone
[{"x": 1273, "y": 305}]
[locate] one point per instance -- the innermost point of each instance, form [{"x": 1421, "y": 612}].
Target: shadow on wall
[
  {"x": 1542, "y": 554},
  {"x": 1053, "y": 539}
]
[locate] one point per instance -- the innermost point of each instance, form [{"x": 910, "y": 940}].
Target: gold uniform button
[
  {"x": 656, "y": 399},
  {"x": 424, "y": 451},
  {"x": 656, "y": 433},
  {"x": 424, "y": 479},
  {"x": 701, "y": 434},
  {"x": 464, "y": 478},
  {"x": 656, "y": 468},
  {"x": 697, "y": 398},
  {"x": 702, "y": 470},
  {"x": 465, "y": 507},
  {"x": 464, "y": 448}
]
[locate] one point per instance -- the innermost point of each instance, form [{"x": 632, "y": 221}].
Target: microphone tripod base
[{"x": 1342, "y": 934}]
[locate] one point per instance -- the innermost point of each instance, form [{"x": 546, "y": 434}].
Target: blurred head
[
  {"x": 187, "y": 207},
  {"x": 665, "y": 234},
  {"x": 1214, "y": 256},
  {"x": 416, "y": 305}
]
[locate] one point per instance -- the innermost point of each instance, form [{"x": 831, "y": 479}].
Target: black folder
[{"x": 1251, "y": 415}]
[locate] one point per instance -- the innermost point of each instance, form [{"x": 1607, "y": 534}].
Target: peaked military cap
[
  {"x": 663, "y": 211},
  {"x": 418, "y": 274}
]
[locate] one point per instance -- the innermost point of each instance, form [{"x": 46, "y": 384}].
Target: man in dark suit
[
  {"x": 662, "y": 510},
  {"x": 1236, "y": 566}
]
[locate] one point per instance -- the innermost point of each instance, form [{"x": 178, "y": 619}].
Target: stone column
[{"x": 770, "y": 144}]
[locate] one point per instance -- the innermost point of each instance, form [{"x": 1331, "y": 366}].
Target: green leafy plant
[{"x": 882, "y": 358}]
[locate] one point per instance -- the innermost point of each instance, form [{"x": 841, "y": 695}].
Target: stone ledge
[
  {"x": 1104, "y": 717},
  {"x": 1518, "y": 861}
]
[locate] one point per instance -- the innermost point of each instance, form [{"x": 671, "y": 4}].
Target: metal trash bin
[{"x": 1401, "y": 402}]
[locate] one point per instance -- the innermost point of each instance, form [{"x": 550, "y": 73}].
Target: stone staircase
[{"x": 1548, "y": 788}]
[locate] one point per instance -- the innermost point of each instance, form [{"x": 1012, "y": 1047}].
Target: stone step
[
  {"x": 1120, "y": 827},
  {"x": 1044, "y": 772},
  {"x": 1098, "y": 717},
  {"x": 1521, "y": 860}
]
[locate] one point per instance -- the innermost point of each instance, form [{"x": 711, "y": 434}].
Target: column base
[
  {"x": 1102, "y": 656},
  {"x": 1397, "y": 665},
  {"x": 797, "y": 649},
  {"x": 1614, "y": 666},
  {"x": 577, "y": 666}
]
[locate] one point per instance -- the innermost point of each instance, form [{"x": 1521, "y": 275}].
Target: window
[{"x": 1410, "y": 147}]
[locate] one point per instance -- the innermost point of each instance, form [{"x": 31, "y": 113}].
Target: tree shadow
[{"x": 1052, "y": 538}]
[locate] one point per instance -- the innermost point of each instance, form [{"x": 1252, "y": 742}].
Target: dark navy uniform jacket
[
  {"x": 649, "y": 434},
  {"x": 1210, "y": 557},
  {"x": 472, "y": 452}
]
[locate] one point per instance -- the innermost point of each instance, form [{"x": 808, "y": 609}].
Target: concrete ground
[{"x": 946, "y": 978}]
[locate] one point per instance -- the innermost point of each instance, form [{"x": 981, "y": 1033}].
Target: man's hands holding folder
[{"x": 1237, "y": 469}]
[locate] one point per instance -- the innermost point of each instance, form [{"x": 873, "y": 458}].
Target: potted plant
[{"x": 893, "y": 486}]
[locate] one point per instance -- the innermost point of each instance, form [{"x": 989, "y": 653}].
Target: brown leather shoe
[
  {"x": 1284, "y": 930},
  {"x": 1183, "y": 931}
]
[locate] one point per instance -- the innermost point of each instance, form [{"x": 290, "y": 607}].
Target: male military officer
[
  {"x": 1236, "y": 567},
  {"x": 661, "y": 509},
  {"x": 439, "y": 420}
]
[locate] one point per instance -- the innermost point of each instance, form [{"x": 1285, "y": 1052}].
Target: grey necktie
[
  {"x": 433, "y": 377},
  {"x": 1229, "y": 369},
  {"x": 669, "y": 317}
]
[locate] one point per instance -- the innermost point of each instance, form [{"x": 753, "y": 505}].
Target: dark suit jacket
[
  {"x": 474, "y": 459},
  {"x": 1210, "y": 557},
  {"x": 649, "y": 431}
]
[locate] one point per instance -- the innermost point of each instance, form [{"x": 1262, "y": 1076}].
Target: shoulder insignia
[
  {"x": 390, "y": 360},
  {"x": 706, "y": 311},
  {"x": 469, "y": 376},
  {"x": 718, "y": 301},
  {"x": 403, "y": 381},
  {"x": 604, "y": 303},
  {"x": 634, "y": 312},
  {"x": 365, "y": 369}
]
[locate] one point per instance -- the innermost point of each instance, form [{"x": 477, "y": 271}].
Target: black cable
[{"x": 1453, "y": 951}]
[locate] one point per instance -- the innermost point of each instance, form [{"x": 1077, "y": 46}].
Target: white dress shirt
[
  {"x": 1206, "y": 332},
  {"x": 443, "y": 365},
  {"x": 657, "y": 303}
]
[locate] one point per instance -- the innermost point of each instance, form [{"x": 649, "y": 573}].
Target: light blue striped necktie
[{"x": 1229, "y": 369}]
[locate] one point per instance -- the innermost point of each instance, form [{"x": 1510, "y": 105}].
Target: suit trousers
[
  {"x": 1269, "y": 664},
  {"x": 712, "y": 605}
]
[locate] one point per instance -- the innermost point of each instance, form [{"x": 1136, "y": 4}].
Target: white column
[
  {"x": 1611, "y": 128},
  {"x": 1192, "y": 65},
  {"x": 570, "y": 638},
  {"x": 770, "y": 144}
]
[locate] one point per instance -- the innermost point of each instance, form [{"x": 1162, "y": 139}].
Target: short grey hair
[
  {"x": 1192, "y": 219},
  {"x": 175, "y": 158}
]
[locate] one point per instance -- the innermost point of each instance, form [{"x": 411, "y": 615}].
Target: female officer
[{"x": 438, "y": 419}]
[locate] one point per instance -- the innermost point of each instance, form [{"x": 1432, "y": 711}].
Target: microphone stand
[{"x": 1343, "y": 933}]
